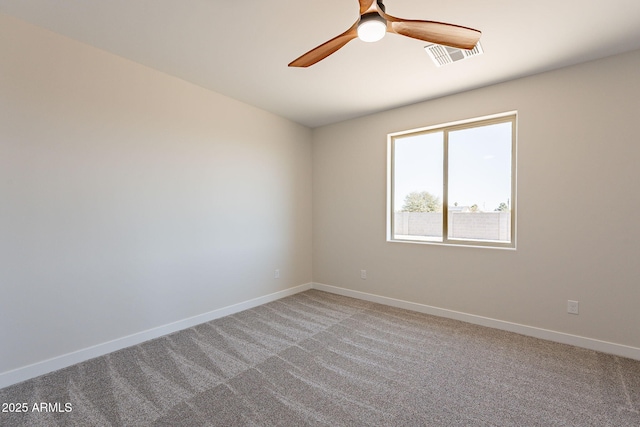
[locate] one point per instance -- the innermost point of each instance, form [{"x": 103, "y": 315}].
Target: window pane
[
  {"x": 418, "y": 186},
  {"x": 480, "y": 183}
]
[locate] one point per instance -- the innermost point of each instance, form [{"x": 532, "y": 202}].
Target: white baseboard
[
  {"x": 545, "y": 334},
  {"x": 40, "y": 368},
  {"x": 31, "y": 371}
]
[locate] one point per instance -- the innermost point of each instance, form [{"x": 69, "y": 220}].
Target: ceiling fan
[{"x": 373, "y": 23}]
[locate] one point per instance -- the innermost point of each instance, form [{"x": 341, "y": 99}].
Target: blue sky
[{"x": 479, "y": 166}]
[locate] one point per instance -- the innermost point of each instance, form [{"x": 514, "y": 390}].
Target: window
[{"x": 454, "y": 184}]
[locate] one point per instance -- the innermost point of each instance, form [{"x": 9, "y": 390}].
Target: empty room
[{"x": 334, "y": 213}]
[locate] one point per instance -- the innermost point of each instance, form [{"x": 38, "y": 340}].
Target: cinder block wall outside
[{"x": 469, "y": 225}]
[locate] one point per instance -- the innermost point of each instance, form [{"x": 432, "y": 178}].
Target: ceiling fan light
[{"x": 372, "y": 28}]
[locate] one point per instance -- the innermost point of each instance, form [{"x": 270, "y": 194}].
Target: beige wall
[
  {"x": 578, "y": 207},
  {"x": 130, "y": 199}
]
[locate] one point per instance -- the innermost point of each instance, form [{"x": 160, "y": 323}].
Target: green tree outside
[
  {"x": 422, "y": 201},
  {"x": 503, "y": 207}
]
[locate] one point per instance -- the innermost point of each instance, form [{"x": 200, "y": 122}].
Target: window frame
[{"x": 446, "y": 128}]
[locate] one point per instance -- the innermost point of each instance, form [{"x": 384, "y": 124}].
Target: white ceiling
[{"x": 241, "y": 48}]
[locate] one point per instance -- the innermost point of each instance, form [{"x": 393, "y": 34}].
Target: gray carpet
[{"x": 321, "y": 359}]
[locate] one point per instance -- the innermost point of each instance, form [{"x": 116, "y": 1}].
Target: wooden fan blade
[
  {"x": 319, "y": 53},
  {"x": 434, "y": 32},
  {"x": 365, "y": 5}
]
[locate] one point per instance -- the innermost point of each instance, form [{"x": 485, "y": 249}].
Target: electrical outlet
[
  {"x": 363, "y": 274},
  {"x": 277, "y": 274},
  {"x": 572, "y": 307}
]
